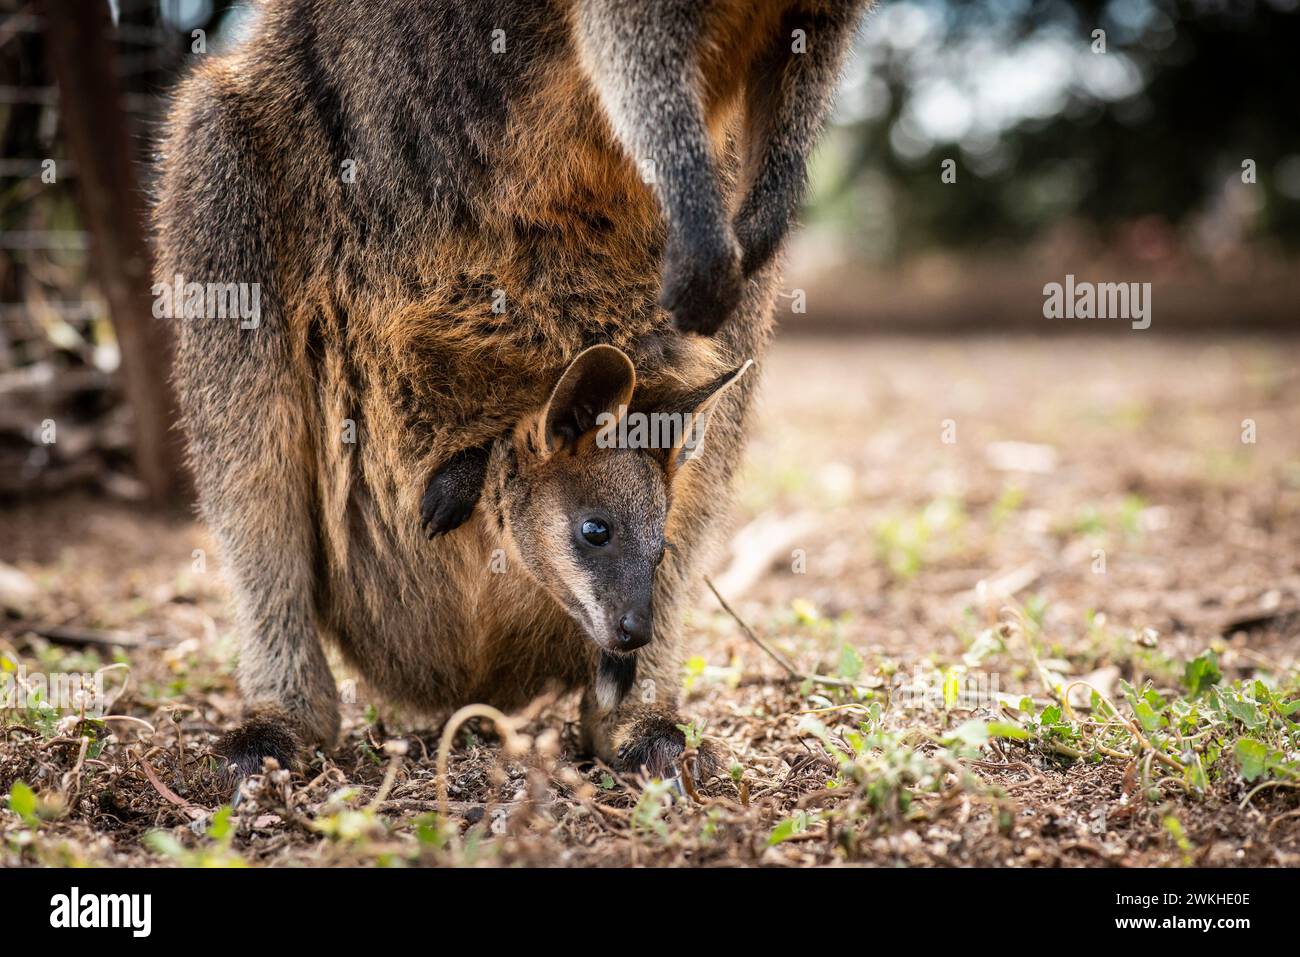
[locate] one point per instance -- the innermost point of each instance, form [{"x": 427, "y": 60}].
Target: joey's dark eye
[{"x": 595, "y": 531}]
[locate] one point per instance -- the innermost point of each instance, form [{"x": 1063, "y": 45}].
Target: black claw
[
  {"x": 655, "y": 746},
  {"x": 452, "y": 492}
]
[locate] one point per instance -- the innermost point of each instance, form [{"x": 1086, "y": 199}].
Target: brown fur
[{"x": 378, "y": 311}]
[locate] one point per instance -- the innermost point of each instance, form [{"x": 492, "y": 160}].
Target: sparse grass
[
  {"x": 1207, "y": 731},
  {"x": 1189, "y": 753},
  {"x": 905, "y": 542}
]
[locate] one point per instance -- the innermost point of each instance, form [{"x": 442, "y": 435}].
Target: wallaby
[{"x": 445, "y": 205}]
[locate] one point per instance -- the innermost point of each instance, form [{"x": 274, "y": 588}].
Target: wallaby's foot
[
  {"x": 263, "y": 734},
  {"x": 453, "y": 491},
  {"x": 652, "y": 744},
  {"x": 702, "y": 283}
]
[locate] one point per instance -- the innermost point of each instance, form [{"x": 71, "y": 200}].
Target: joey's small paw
[
  {"x": 702, "y": 284},
  {"x": 446, "y": 504},
  {"x": 654, "y": 745},
  {"x": 266, "y": 734}
]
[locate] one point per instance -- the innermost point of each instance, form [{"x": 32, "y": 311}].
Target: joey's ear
[
  {"x": 696, "y": 407},
  {"x": 599, "y": 380}
]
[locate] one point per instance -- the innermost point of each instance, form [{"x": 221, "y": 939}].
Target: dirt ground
[{"x": 1008, "y": 515}]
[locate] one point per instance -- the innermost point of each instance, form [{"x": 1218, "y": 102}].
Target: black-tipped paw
[
  {"x": 702, "y": 284},
  {"x": 760, "y": 234},
  {"x": 655, "y": 745},
  {"x": 452, "y": 492},
  {"x": 444, "y": 508}
]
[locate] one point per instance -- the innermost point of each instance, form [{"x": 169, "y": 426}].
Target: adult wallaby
[{"x": 441, "y": 203}]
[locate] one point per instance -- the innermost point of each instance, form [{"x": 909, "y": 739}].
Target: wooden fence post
[{"x": 97, "y": 130}]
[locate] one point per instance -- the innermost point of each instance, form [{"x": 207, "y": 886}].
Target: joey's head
[{"x": 587, "y": 503}]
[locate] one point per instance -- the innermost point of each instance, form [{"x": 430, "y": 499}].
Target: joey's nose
[{"x": 634, "y": 629}]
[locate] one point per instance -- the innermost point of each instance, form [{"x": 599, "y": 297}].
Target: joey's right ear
[
  {"x": 696, "y": 407},
  {"x": 598, "y": 383}
]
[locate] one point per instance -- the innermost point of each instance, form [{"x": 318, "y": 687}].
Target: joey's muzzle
[{"x": 635, "y": 627}]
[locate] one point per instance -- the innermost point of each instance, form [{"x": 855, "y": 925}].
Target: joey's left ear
[
  {"x": 696, "y": 408},
  {"x": 598, "y": 383}
]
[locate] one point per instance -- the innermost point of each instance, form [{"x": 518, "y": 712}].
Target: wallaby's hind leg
[
  {"x": 242, "y": 401},
  {"x": 268, "y": 733},
  {"x": 641, "y": 59},
  {"x": 785, "y": 105},
  {"x": 256, "y": 500}
]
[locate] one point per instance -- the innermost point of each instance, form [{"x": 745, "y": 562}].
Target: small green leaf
[
  {"x": 951, "y": 689},
  {"x": 973, "y": 732},
  {"x": 1201, "y": 673},
  {"x": 692, "y": 735},
  {"x": 163, "y": 843},
  {"x": 805, "y": 612},
  {"x": 219, "y": 829},
  {"x": 1005, "y": 729},
  {"x": 850, "y": 663},
  {"x": 789, "y": 828},
  {"x": 428, "y": 830},
  {"x": 1253, "y": 757},
  {"x": 1145, "y": 714},
  {"x": 1176, "y": 831},
  {"x": 22, "y": 801},
  {"x": 1243, "y": 710}
]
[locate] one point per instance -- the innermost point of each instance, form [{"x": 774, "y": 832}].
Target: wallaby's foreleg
[
  {"x": 641, "y": 58},
  {"x": 242, "y": 398},
  {"x": 785, "y": 106},
  {"x": 642, "y": 731},
  {"x": 453, "y": 491}
]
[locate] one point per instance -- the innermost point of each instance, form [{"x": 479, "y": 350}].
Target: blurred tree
[
  {"x": 22, "y": 64},
  {"x": 78, "y": 39},
  {"x": 1053, "y": 125}
]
